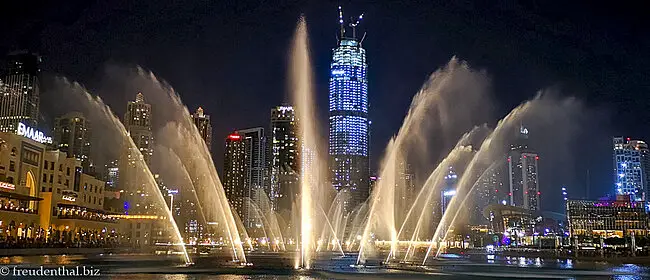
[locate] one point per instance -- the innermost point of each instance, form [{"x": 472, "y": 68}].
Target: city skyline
[
  {"x": 384, "y": 126},
  {"x": 207, "y": 138},
  {"x": 349, "y": 126}
]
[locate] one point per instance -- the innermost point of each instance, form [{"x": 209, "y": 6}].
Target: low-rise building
[
  {"x": 622, "y": 217},
  {"x": 46, "y": 198}
]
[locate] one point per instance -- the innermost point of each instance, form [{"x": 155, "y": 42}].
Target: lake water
[{"x": 280, "y": 266}]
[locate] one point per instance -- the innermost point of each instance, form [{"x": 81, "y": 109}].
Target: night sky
[{"x": 230, "y": 57}]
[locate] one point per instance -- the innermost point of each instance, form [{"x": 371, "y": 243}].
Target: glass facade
[
  {"x": 630, "y": 163},
  {"x": 20, "y": 91},
  {"x": 72, "y": 134},
  {"x": 348, "y": 120},
  {"x": 523, "y": 177},
  {"x": 620, "y": 217},
  {"x": 255, "y": 187},
  {"x": 233, "y": 169},
  {"x": 202, "y": 122},
  {"x": 284, "y": 163}
]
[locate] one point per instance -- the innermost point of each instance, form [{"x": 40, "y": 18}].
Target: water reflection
[
  {"x": 490, "y": 266},
  {"x": 218, "y": 277}
]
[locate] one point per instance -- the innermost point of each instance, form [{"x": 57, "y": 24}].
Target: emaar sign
[{"x": 33, "y": 134}]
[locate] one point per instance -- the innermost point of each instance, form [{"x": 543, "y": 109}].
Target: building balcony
[
  {"x": 74, "y": 212},
  {"x": 17, "y": 209},
  {"x": 93, "y": 218}
]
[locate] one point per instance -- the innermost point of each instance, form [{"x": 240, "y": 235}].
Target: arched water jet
[
  {"x": 187, "y": 178},
  {"x": 190, "y": 147},
  {"x": 490, "y": 148},
  {"x": 453, "y": 78},
  {"x": 357, "y": 225},
  {"x": 184, "y": 141},
  {"x": 469, "y": 195},
  {"x": 336, "y": 213},
  {"x": 331, "y": 228},
  {"x": 100, "y": 106},
  {"x": 434, "y": 180},
  {"x": 271, "y": 217},
  {"x": 265, "y": 223}
]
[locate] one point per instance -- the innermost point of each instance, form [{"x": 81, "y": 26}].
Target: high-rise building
[
  {"x": 72, "y": 134},
  {"x": 20, "y": 91},
  {"x": 405, "y": 193},
  {"x": 523, "y": 176},
  {"x": 202, "y": 122},
  {"x": 631, "y": 168},
  {"x": 449, "y": 190},
  {"x": 492, "y": 188},
  {"x": 373, "y": 183},
  {"x": 284, "y": 158},
  {"x": 254, "y": 168},
  {"x": 111, "y": 175},
  {"x": 137, "y": 122},
  {"x": 234, "y": 166},
  {"x": 348, "y": 116}
]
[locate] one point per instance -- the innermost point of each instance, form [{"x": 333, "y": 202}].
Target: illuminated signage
[
  {"x": 234, "y": 137},
  {"x": 449, "y": 193},
  {"x": 7, "y": 186},
  {"x": 33, "y": 134},
  {"x": 523, "y": 130},
  {"x": 69, "y": 196}
]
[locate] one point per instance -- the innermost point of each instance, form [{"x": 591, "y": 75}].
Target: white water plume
[{"x": 97, "y": 110}]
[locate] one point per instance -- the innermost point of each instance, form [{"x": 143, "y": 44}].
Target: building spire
[
  {"x": 342, "y": 31},
  {"x": 351, "y": 24},
  {"x": 354, "y": 26},
  {"x": 139, "y": 98}
]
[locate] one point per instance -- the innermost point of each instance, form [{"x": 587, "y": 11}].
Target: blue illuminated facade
[
  {"x": 348, "y": 120},
  {"x": 631, "y": 168}
]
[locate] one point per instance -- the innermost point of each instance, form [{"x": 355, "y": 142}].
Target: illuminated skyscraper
[
  {"x": 111, "y": 175},
  {"x": 202, "y": 122},
  {"x": 132, "y": 180},
  {"x": 631, "y": 168},
  {"x": 449, "y": 189},
  {"x": 348, "y": 116},
  {"x": 523, "y": 176},
  {"x": 284, "y": 158},
  {"x": 72, "y": 134},
  {"x": 234, "y": 163},
  {"x": 491, "y": 188},
  {"x": 405, "y": 192},
  {"x": 20, "y": 91},
  {"x": 254, "y": 167},
  {"x": 137, "y": 122}
]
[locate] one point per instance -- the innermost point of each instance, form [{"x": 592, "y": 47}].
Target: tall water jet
[
  {"x": 541, "y": 109},
  {"x": 176, "y": 130},
  {"x": 486, "y": 152},
  {"x": 457, "y": 157},
  {"x": 310, "y": 162},
  {"x": 456, "y": 82},
  {"x": 97, "y": 106}
]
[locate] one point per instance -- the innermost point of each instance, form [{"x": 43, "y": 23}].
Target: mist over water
[
  {"x": 402, "y": 220},
  {"x": 95, "y": 110}
]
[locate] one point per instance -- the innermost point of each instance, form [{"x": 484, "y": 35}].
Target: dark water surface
[{"x": 280, "y": 266}]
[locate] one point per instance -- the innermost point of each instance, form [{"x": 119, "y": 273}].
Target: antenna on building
[
  {"x": 354, "y": 26},
  {"x": 342, "y": 31}
]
